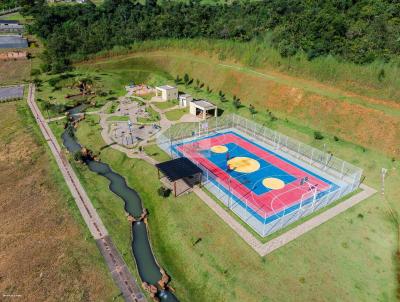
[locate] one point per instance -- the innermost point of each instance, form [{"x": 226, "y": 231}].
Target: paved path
[{"x": 115, "y": 263}]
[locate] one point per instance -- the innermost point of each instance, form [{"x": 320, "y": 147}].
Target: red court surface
[{"x": 271, "y": 165}]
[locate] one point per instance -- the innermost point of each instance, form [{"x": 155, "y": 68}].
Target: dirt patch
[{"x": 44, "y": 255}]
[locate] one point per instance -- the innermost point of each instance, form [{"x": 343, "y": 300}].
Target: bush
[
  {"x": 335, "y": 138},
  {"x": 318, "y": 135},
  {"x": 164, "y": 192}
]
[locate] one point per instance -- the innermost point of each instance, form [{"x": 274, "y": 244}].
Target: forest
[
  {"x": 6, "y": 4},
  {"x": 358, "y": 31}
]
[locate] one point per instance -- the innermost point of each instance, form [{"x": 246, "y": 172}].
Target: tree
[
  {"x": 237, "y": 103},
  {"x": 318, "y": 135},
  {"x": 252, "y": 110},
  {"x": 222, "y": 96},
  {"x": 186, "y": 79}
]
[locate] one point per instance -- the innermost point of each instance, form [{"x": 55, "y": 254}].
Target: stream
[{"x": 147, "y": 265}]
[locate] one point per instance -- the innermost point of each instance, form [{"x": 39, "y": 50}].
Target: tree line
[{"x": 359, "y": 31}]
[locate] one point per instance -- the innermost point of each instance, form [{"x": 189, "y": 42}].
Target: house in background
[
  {"x": 184, "y": 100},
  {"x": 203, "y": 109},
  {"x": 11, "y": 26},
  {"x": 167, "y": 92}
]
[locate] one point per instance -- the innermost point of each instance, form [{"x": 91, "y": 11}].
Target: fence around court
[{"x": 345, "y": 173}]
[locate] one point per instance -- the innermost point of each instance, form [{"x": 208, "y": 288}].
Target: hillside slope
[{"x": 370, "y": 122}]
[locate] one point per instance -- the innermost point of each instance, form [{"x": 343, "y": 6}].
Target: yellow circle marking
[
  {"x": 273, "y": 183},
  {"x": 219, "y": 149},
  {"x": 243, "y": 164}
]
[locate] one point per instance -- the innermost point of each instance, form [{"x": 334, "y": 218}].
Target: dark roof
[
  {"x": 178, "y": 168},
  {"x": 9, "y": 22}
]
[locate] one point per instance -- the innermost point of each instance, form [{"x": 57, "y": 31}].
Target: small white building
[
  {"x": 203, "y": 109},
  {"x": 184, "y": 100},
  {"x": 167, "y": 92}
]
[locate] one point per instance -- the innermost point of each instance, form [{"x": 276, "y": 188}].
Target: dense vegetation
[
  {"x": 357, "y": 31},
  {"x": 6, "y": 4}
]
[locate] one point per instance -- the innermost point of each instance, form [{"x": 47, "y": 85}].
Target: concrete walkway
[{"x": 118, "y": 268}]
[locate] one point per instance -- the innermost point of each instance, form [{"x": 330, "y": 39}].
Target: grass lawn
[
  {"x": 165, "y": 105},
  {"x": 154, "y": 116},
  {"x": 116, "y": 118},
  {"x": 157, "y": 153},
  {"x": 176, "y": 114}
]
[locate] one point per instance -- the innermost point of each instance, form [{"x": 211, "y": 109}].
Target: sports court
[
  {"x": 266, "y": 178},
  {"x": 263, "y": 181}
]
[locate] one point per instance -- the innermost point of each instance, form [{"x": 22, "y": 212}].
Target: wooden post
[
  {"x": 158, "y": 171},
  {"x": 175, "y": 188}
]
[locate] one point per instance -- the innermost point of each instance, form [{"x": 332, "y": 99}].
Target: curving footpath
[{"x": 118, "y": 268}]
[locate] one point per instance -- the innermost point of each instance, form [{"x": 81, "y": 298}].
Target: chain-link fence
[{"x": 346, "y": 176}]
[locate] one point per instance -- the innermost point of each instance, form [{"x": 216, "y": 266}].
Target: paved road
[{"x": 120, "y": 273}]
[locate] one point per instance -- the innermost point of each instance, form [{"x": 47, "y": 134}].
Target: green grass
[
  {"x": 176, "y": 114},
  {"x": 156, "y": 152},
  {"x": 154, "y": 116},
  {"x": 361, "y": 79},
  {"x": 118, "y": 118},
  {"x": 165, "y": 105}
]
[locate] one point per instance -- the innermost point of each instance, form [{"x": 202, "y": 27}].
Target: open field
[
  {"x": 47, "y": 253},
  {"x": 14, "y": 72},
  {"x": 350, "y": 258}
]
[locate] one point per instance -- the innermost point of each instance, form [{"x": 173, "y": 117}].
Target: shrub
[
  {"x": 164, "y": 192},
  {"x": 318, "y": 135},
  {"x": 335, "y": 138}
]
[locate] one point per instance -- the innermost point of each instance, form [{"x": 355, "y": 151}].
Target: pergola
[{"x": 181, "y": 174}]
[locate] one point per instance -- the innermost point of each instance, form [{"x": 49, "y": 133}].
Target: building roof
[
  {"x": 13, "y": 41},
  {"x": 178, "y": 168},
  {"x": 204, "y": 104},
  {"x": 9, "y": 22},
  {"x": 166, "y": 87},
  {"x": 184, "y": 95}
]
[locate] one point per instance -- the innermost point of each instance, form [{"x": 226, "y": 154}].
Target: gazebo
[{"x": 181, "y": 174}]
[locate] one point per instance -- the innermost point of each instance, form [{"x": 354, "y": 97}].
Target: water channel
[{"x": 148, "y": 268}]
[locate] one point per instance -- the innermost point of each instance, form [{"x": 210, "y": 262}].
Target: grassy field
[
  {"x": 118, "y": 118},
  {"x": 47, "y": 251},
  {"x": 176, "y": 114},
  {"x": 349, "y": 258},
  {"x": 165, "y": 105}
]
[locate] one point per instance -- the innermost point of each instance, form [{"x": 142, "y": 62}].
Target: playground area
[
  {"x": 128, "y": 134},
  {"x": 266, "y": 178}
]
